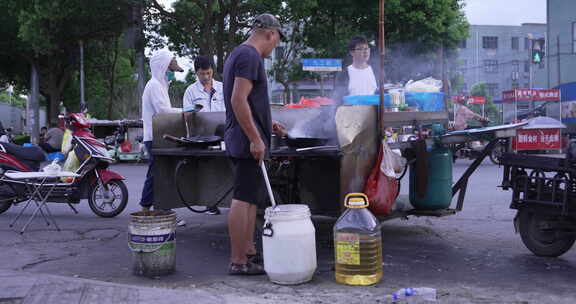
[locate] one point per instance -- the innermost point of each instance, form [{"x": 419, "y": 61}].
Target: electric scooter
[{"x": 104, "y": 189}]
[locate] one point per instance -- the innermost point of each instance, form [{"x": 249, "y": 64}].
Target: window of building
[
  {"x": 489, "y": 42},
  {"x": 515, "y": 66},
  {"x": 574, "y": 37},
  {"x": 526, "y": 66},
  {"x": 526, "y": 43},
  {"x": 492, "y": 89},
  {"x": 491, "y": 66},
  {"x": 515, "y": 43},
  {"x": 462, "y": 44}
]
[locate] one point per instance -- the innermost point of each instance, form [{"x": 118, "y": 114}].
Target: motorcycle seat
[{"x": 32, "y": 153}]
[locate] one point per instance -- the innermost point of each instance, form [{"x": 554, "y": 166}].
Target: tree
[
  {"x": 205, "y": 27},
  {"x": 47, "y": 33},
  {"x": 490, "y": 109},
  {"x": 415, "y": 29}
]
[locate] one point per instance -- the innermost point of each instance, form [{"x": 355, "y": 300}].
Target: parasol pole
[{"x": 381, "y": 47}]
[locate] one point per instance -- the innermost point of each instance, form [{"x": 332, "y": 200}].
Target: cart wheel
[
  {"x": 496, "y": 153},
  {"x": 540, "y": 242},
  {"x": 108, "y": 200}
]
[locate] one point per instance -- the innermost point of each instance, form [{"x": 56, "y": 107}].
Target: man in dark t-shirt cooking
[{"x": 248, "y": 133}]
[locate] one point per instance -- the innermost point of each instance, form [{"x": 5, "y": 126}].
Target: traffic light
[{"x": 538, "y": 48}]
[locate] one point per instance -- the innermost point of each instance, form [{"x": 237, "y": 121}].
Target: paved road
[{"x": 472, "y": 257}]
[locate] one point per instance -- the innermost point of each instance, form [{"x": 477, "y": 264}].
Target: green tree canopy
[{"x": 47, "y": 33}]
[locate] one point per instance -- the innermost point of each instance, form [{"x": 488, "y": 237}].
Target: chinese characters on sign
[
  {"x": 531, "y": 94},
  {"x": 537, "y": 139}
]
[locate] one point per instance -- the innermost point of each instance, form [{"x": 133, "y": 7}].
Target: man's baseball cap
[{"x": 268, "y": 21}]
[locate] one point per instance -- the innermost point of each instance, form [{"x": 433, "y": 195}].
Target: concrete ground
[{"x": 471, "y": 257}]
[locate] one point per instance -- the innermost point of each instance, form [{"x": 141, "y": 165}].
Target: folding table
[{"x": 39, "y": 186}]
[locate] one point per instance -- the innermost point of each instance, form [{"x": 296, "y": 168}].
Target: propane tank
[{"x": 438, "y": 193}]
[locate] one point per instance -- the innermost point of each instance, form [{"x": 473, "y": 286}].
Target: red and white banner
[
  {"x": 469, "y": 99},
  {"x": 531, "y": 94},
  {"x": 537, "y": 139}
]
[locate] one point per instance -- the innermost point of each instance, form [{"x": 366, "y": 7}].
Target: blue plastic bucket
[
  {"x": 425, "y": 101},
  {"x": 367, "y": 100}
]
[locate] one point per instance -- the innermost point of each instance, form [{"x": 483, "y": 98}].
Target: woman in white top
[{"x": 359, "y": 77}]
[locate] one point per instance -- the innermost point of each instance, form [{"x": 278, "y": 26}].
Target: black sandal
[{"x": 246, "y": 269}]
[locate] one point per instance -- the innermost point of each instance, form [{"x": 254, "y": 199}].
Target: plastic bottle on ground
[{"x": 414, "y": 295}]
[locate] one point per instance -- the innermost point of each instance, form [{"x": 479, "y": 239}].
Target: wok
[
  {"x": 195, "y": 141},
  {"x": 305, "y": 142}
]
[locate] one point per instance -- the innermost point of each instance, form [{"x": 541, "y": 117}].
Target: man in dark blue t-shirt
[{"x": 248, "y": 132}]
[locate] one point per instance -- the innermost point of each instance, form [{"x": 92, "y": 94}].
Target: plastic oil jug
[{"x": 358, "y": 243}]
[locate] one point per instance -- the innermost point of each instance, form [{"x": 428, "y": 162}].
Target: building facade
[
  {"x": 560, "y": 59},
  {"x": 499, "y": 55}
]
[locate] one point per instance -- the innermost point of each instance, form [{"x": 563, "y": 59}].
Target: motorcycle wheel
[
  {"x": 108, "y": 200},
  {"x": 540, "y": 242}
]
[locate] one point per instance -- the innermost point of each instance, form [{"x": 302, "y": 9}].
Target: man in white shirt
[
  {"x": 358, "y": 78},
  {"x": 155, "y": 100},
  {"x": 205, "y": 91}
]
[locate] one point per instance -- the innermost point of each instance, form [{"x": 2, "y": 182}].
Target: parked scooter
[
  {"x": 105, "y": 190},
  {"x": 120, "y": 148},
  {"x": 473, "y": 149}
]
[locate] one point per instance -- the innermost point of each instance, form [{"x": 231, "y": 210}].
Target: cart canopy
[{"x": 543, "y": 122}]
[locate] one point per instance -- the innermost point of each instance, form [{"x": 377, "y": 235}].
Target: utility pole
[
  {"x": 382, "y": 47},
  {"x": 33, "y": 100},
  {"x": 530, "y": 84},
  {"x": 82, "y": 100},
  {"x": 558, "y": 59}
]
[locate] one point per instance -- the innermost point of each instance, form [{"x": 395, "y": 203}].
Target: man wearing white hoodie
[{"x": 155, "y": 100}]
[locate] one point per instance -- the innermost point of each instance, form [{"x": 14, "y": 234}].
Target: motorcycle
[{"x": 105, "y": 190}]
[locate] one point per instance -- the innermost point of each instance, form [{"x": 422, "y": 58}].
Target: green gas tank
[{"x": 438, "y": 194}]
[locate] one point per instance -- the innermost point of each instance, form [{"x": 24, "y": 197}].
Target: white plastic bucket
[
  {"x": 152, "y": 240},
  {"x": 289, "y": 244}
]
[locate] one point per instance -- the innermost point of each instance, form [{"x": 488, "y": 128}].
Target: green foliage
[
  {"x": 48, "y": 33},
  {"x": 15, "y": 99},
  {"x": 414, "y": 30},
  {"x": 491, "y": 110}
]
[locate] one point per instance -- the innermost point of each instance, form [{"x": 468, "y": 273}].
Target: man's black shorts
[{"x": 249, "y": 185}]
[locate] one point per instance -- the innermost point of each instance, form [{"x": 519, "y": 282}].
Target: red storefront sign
[
  {"x": 531, "y": 94},
  {"x": 537, "y": 139},
  {"x": 469, "y": 99}
]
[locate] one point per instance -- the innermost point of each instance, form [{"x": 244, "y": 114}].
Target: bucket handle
[
  {"x": 149, "y": 250},
  {"x": 267, "y": 230}
]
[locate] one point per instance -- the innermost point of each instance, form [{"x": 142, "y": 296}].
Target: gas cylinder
[
  {"x": 357, "y": 243},
  {"x": 438, "y": 193}
]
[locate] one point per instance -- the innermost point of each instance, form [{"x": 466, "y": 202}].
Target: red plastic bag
[
  {"x": 126, "y": 146},
  {"x": 381, "y": 190}
]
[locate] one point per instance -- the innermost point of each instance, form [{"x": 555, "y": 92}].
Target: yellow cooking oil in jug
[{"x": 358, "y": 243}]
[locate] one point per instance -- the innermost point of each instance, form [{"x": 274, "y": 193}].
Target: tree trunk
[
  {"x": 220, "y": 40},
  {"x": 112, "y": 78}
]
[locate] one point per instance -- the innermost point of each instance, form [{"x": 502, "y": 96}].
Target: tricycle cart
[{"x": 544, "y": 193}]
